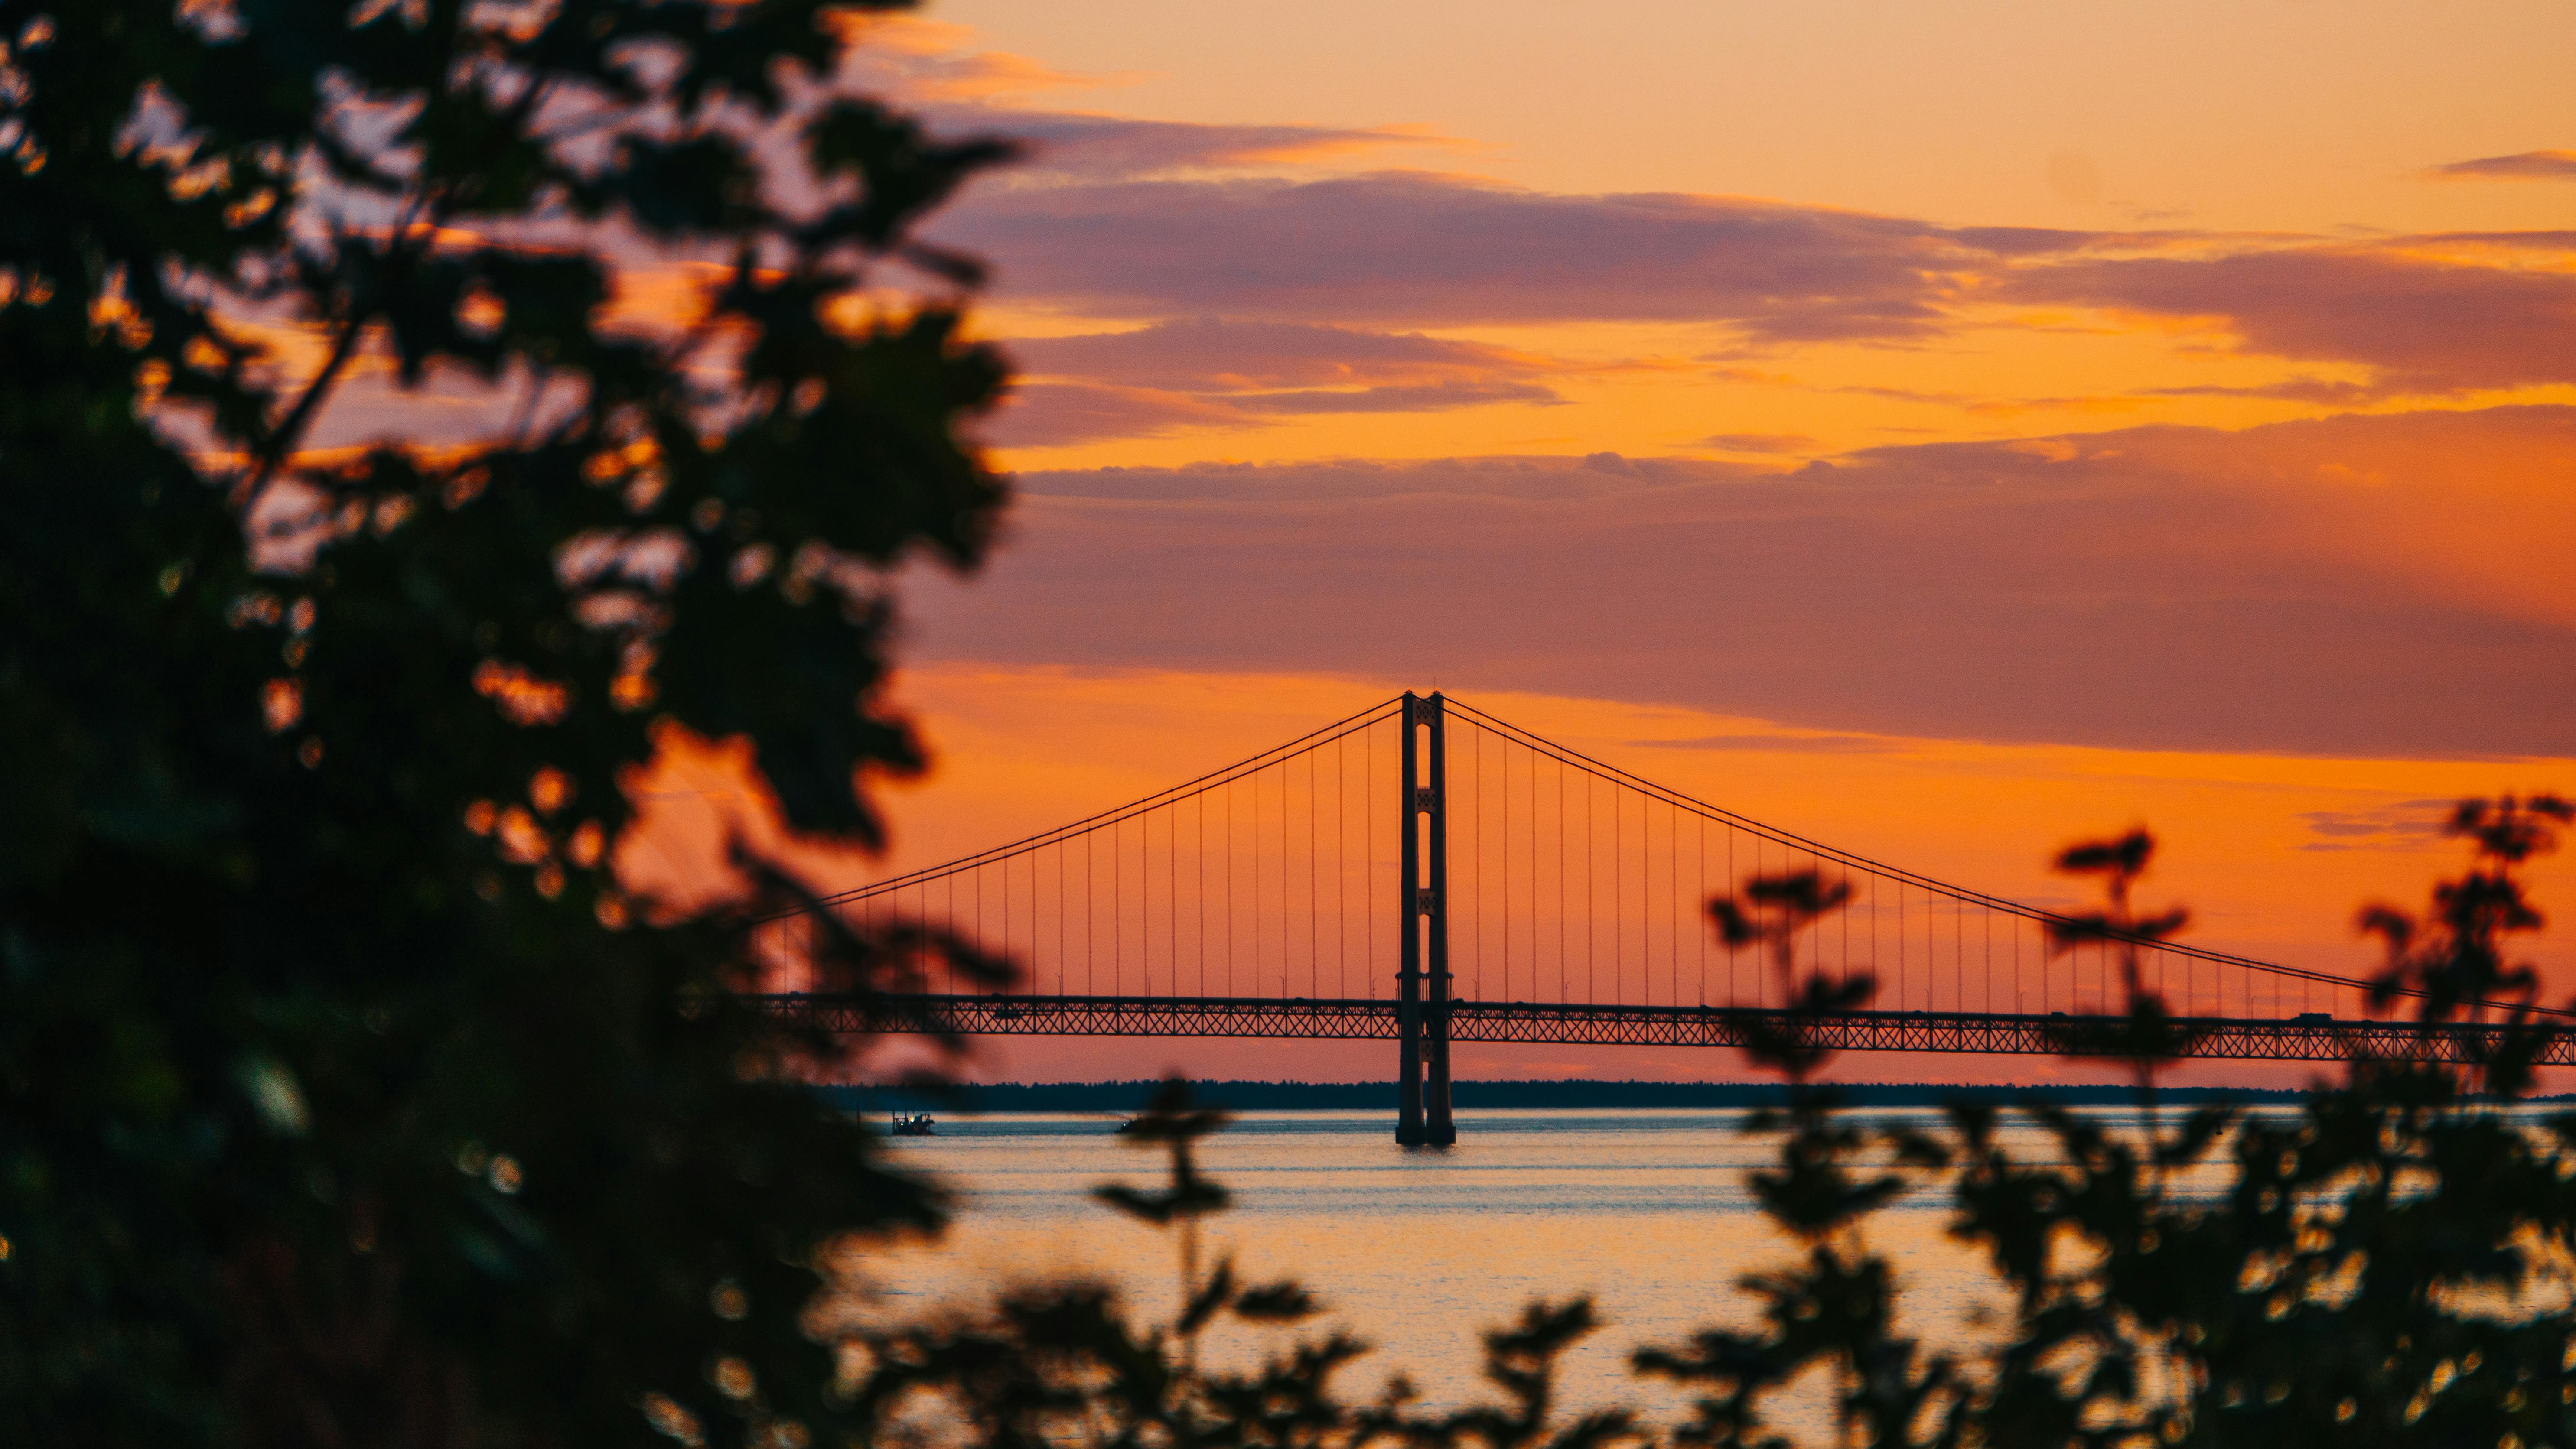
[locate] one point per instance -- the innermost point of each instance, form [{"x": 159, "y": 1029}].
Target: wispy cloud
[
  {"x": 1781, "y": 742},
  {"x": 1423, "y": 249},
  {"x": 2408, "y": 825},
  {"x": 2429, "y": 322},
  {"x": 1051, "y": 414},
  {"x": 2326, "y": 390},
  {"x": 1218, "y": 355},
  {"x": 2521, "y": 166},
  {"x": 1096, "y": 148},
  {"x": 1208, "y": 372},
  {"x": 922, "y": 62},
  {"x": 1760, "y": 442}
]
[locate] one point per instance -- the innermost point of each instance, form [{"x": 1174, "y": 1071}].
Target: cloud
[
  {"x": 1429, "y": 397},
  {"x": 1053, "y": 414},
  {"x": 932, "y": 68},
  {"x": 2429, "y": 322},
  {"x": 2380, "y": 585},
  {"x": 1056, "y": 414},
  {"x": 1783, "y": 743},
  {"x": 2522, "y": 166},
  {"x": 2407, "y": 825},
  {"x": 1467, "y": 481},
  {"x": 1908, "y": 394},
  {"x": 1100, "y": 148},
  {"x": 2297, "y": 389},
  {"x": 1213, "y": 373},
  {"x": 1420, "y": 249},
  {"x": 920, "y": 63},
  {"x": 1213, "y": 354},
  {"x": 1405, "y": 250},
  {"x": 1759, "y": 442}
]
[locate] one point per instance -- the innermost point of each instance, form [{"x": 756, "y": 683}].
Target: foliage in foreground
[
  {"x": 2389, "y": 1265},
  {"x": 344, "y": 1100}
]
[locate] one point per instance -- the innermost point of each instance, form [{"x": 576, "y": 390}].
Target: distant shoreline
[{"x": 1130, "y": 1096}]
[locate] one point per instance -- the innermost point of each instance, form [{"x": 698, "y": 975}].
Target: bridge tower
[{"x": 1422, "y": 978}]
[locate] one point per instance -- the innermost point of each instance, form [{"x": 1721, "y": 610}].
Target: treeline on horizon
[{"x": 1243, "y": 1096}]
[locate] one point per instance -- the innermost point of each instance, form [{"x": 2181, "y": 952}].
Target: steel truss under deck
[{"x": 2294, "y": 1039}]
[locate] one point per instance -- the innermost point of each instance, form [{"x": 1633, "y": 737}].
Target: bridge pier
[{"x": 1422, "y": 972}]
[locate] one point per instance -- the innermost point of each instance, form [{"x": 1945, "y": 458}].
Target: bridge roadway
[{"x": 2295, "y": 1039}]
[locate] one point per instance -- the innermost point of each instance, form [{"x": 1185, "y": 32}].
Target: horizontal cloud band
[
  {"x": 2364, "y": 585},
  {"x": 1410, "y": 250}
]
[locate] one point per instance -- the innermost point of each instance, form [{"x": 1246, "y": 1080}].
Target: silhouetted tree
[
  {"x": 344, "y": 1100},
  {"x": 1772, "y": 912},
  {"x": 2454, "y": 959},
  {"x": 2389, "y": 1265}
]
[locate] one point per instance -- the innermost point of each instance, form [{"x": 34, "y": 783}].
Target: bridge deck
[{"x": 2301, "y": 1039}]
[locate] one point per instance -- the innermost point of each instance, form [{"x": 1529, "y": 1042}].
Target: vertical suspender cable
[
  {"x": 1505, "y": 894},
  {"x": 1172, "y": 893},
  {"x": 1201, "y": 802},
  {"x": 1673, "y": 901},
  {"x": 1761, "y": 967},
  {"x": 1846, "y": 914},
  {"x": 1229, "y": 887},
  {"x": 1254, "y": 780},
  {"x": 1342, "y": 863}
]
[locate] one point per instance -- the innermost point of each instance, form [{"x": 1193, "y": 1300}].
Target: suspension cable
[{"x": 1616, "y": 776}]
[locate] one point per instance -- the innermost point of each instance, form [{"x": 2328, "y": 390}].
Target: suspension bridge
[{"x": 1425, "y": 873}]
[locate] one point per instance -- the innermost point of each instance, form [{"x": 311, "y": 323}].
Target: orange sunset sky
[{"x": 1943, "y": 431}]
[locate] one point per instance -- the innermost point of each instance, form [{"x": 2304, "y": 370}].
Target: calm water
[{"x": 1418, "y": 1251}]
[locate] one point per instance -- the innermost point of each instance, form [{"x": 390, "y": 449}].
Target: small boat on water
[
  {"x": 1127, "y": 1126},
  {"x": 914, "y": 1124}
]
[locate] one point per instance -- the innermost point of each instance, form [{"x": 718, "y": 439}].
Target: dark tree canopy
[
  {"x": 343, "y": 1098},
  {"x": 346, "y": 1100}
]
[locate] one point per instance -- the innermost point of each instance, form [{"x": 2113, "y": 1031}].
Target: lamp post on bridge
[{"x": 1422, "y": 1013}]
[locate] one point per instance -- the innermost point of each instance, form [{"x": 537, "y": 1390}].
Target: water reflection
[{"x": 1419, "y": 1250}]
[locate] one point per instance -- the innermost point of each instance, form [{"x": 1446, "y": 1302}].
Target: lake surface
[{"x": 1420, "y": 1250}]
